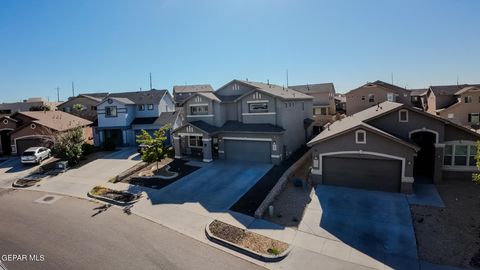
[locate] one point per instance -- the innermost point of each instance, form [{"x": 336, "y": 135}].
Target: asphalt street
[{"x": 71, "y": 233}]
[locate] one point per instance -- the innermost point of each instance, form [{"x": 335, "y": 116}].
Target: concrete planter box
[{"x": 246, "y": 251}]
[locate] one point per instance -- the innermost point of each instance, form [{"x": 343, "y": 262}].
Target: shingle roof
[
  {"x": 235, "y": 126},
  {"x": 164, "y": 119},
  {"x": 314, "y": 88},
  {"x": 448, "y": 90},
  {"x": 276, "y": 90},
  {"x": 141, "y": 97},
  {"x": 192, "y": 88},
  {"x": 466, "y": 89},
  {"x": 358, "y": 120},
  {"x": 383, "y": 84},
  {"x": 418, "y": 92},
  {"x": 56, "y": 120}
]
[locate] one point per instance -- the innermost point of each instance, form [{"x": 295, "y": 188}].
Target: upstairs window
[
  {"x": 258, "y": 107},
  {"x": 111, "y": 111},
  {"x": 360, "y": 137},
  {"x": 474, "y": 118},
  {"x": 363, "y": 97},
  {"x": 468, "y": 99},
  {"x": 403, "y": 116},
  {"x": 199, "y": 110},
  {"x": 141, "y": 107},
  {"x": 150, "y": 107},
  {"x": 371, "y": 98}
]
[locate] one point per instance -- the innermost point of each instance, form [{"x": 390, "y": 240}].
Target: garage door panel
[
  {"x": 255, "y": 151},
  {"x": 365, "y": 173},
  {"x": 24, "y": 144}
]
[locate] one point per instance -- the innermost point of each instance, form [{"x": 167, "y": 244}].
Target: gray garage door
[
  {"x": 24, "y": 144},
  {"x": 373, "y": 174},
  {"x": 255, "y": 151}
]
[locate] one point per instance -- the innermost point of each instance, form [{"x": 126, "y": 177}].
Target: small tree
[
  {"x": 155, "y": 149},
  {"x": 78, "y": 107},
  {"x": 476, "y": 176},
  {"x": 68, "y": 146}
]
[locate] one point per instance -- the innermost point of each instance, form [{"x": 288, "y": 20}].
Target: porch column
[
  {"x": 207, "y": 149},
  {"x": 438, "y": 163},
  {"x": 176, "y": 147},
  {"x": 125, "y": 141}
]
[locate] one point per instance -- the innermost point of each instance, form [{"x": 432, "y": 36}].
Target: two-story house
[
  {"x": 465, "y": 109},
  {"x": 244, "y": 121},
  {"x": 83, "y": 105},
  {"x": 371, "y": 94},
  {"x": 182, "y": 92},
  {"x": 121, "y": 116},
  {"x": 323, "y": 107},
  {"x": 31, "y": 104}
]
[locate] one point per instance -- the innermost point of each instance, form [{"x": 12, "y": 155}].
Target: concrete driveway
[
  {"x": 216, "y": 186},
  {"x": 377, "y": 224},
  {"x": 12, "y": 169},
  {"x": 78, "y": 181}
]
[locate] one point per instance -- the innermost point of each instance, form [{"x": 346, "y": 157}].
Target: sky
[{"x": 113, "y": 45}]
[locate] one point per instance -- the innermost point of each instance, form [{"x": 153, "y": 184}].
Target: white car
[{"x": 35, "y": 155}]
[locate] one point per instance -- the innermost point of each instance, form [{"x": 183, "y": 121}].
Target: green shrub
[
  {"x": 88, "y": 149},
  {"x": 273, "y": 251}
]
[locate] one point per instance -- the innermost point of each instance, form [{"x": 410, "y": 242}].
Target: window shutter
[{"x": 469, "y": 117}]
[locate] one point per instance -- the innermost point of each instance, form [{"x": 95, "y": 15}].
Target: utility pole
[
  {"x": 151, "y": 81},
  {"x": 287, "y": 78},
  {"x": 58, "y": 94},
  {"x": 73, "y": 89}
]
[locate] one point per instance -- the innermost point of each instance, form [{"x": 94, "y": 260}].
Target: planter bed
[
  {"x": 175, "y": 166},
  {"x": 249, "y": 243},
  {"x": 113, "y": 196},
  {"x": 251, "y": 200},
  {"x": 25, "y": 183}
]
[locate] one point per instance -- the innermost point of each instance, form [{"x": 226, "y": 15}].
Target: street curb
[
  {"x": 105, "y": 199},
  {"x": 245, "y": 251}
]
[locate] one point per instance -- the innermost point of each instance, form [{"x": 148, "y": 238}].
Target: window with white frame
[
  {"x": 403, "y": 116},
  {"x": 459, "y": 155},
  {"x": 390, "y": 97},
  {"x": 474, "y": 118},
  {"x": 258, "y": 107},
  {"x": 360, "y": 137},
  {"x": 450, "y": 116},
  {"x": 195, "y": 141},
  {"x": 199, "y": 110},
  {"x": 111, "y": 111},
  {"x": 468, "y": 99},
  {"x": 150, "y": 107},
  {"x": 141, "y": 107}
]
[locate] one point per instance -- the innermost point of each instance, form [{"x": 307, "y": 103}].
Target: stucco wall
[
  {"x": 355, "y": 103},
  {"x": 88, "y": 104},
  {"x": 460, "y": 111},
  {"x": 125, "y": 115}
]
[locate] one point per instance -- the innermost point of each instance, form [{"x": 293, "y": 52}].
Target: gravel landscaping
[
  {"x": 450, "y": 235},
  {"x": 121, "y": 196},
  {"x": 175, "y": 165},
  {"x": 251, "y": 200},
  {"x": 248, "y": 240}
]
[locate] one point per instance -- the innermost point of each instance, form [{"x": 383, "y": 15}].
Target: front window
[
  {"x": 447, "y": 157},
  {"x": 460, "y": 155},
  {"x": 473, "y": 152},
  {"x": 141, "y": 107},
  {"x": 195, "y": 141},
  {"x": 468, "y": 99},
  {"x": 198, "y": 110},
  {"x": 258, "y": 107},
  {"x": 111, "y": 111},
  {"x": 150, "y": 107}
]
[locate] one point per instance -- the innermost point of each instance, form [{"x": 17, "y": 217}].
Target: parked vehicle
[{"x": 35, "y": 155}]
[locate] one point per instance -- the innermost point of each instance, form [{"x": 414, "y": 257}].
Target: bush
[
  {"x": 88, "y": 149},
  {"x": 109, "y": 145},
  {"x": 68, "y": 146}
]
